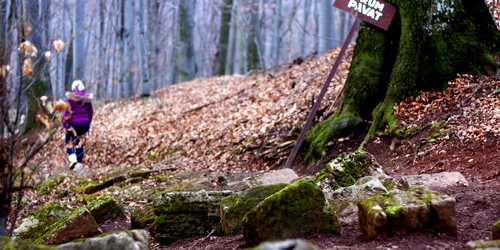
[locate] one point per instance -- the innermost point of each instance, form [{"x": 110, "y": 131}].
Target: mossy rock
[
  {"x": 7, "y": 243},
  {"x": 298, "y": 209},
  {"x": 105, "y": 208},
  {"x": 124, "y": 240},
  {"x": 346, "y": 169},
  {"x": 496, "y": 231},
  {"x": 168, "y": 228},
  {"x": 201, "y": 201},
  {"x": 143, "y": 173},
  {"x": 38, "y": 222},
  {"x": 234, "y": 207},
  {"x": 77, "y": 224},
  {"x": 483, "y": 245},
  {"x": 142, "y": 217},
  {"x": 403, "y": 212},
  {"x": 49, "y": 184},
  {"x": 92, "y": 188}
]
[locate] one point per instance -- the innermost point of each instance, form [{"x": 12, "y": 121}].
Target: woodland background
[{"x": 127, "y": 48}]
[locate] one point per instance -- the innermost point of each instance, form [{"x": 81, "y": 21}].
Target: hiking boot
[{"x": 72, "y": 161}]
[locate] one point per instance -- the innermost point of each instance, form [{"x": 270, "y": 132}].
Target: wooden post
[{"x": 314, "y": 109}]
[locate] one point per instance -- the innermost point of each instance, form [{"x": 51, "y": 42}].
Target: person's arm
[
  {"x": 91, "y": 113},
  {"x": 67, "y": 117}
]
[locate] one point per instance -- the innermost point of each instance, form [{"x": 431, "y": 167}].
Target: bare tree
[
  {"x": 79, "y": 41},
  {"x": 186, "y": 63},
  {"x": 276, "y": 33},
  {"x": 225, "y": 25},
  {"x": 326, "y": 26},
  {"x": 146, "y": 89}
]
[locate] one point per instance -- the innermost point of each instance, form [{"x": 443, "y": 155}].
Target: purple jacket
[{"x": 82, "y": 110}]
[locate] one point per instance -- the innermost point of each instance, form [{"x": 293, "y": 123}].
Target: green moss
[
  {"x": 162, "y": 178},
  {"x": 234, "y": 208},
  {"x": 318, "y": 137},
  {"x": 105, "y": 208},
  {"x": 394, "y": 211},
  {"x": 170, "y": 227},
  {"x": 144, "y": 173},
  {"x": 298, "y": 209},
  {"x": 7, "y": 244},
  {"x": 47, "y": 186},
  {"x": 346, "y": 169},
  {"x": 496, "y": 231},
  {"x": 42, "y": 219},
  {"x": 142, "y": 217}
]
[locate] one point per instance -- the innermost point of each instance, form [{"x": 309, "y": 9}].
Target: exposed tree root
[{"x": 322, "y": 133}]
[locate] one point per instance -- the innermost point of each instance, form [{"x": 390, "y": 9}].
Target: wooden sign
[{"x": 376, "y": 12}]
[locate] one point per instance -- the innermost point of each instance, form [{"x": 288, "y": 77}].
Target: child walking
[{"x": 77, "y": 122}]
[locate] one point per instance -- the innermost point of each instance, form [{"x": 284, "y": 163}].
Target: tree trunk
[
  {"x": 146, "y": 89},
  {"x": 225, "y": 26},
  {"x": 427, "y": 44},
  {"x": 131, "y": 67},
  {"x": 79, "y": 44},
  {"x": 252, "y": 38},
  {"x": 326, "y": 27},
  {"x": 186, "y": 62},
  {"x": 276, "y": 34}
]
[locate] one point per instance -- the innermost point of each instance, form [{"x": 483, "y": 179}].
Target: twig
[
  {"x": 202, "y": 239},
  {"x": 473, "y": 93},
  {"x": 494, "y": 93}
]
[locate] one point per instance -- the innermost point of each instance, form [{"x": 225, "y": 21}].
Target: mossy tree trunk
[{"x": 427, "y": 44}]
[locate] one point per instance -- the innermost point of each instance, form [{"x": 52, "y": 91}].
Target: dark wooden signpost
[{"x": 375, "y": 12}]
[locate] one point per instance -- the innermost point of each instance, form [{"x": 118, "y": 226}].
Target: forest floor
[{"x": 249, "y": 124}]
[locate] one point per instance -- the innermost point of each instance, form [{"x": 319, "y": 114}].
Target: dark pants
[{"x": 75, "y": 144}]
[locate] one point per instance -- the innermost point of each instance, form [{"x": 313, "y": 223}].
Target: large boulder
[
  {"x": 406, "y": 211},
  {"x": 77, "y": 224},
  {"x": 126, "y": 240},
  {"x": 346, "y": 169},
  {"x": 234, "y": 207},
  {"x": 298, "y": 209},
  {"x": 105, "y": 208},
  {"x": 185, "y": 214},
  {"x": 38, "y": 222}
]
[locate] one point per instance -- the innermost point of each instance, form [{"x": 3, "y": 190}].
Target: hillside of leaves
[
  {"x": 250, "y": 123},
  {"x": 225, "y": 124}
]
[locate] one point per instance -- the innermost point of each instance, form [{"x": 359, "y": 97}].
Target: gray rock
[
  {"x": 346, "y": 169},
  {"x": 287, "y": 245},
  {"x": 234, "y": 207},
  {"x": 406, "y": 211},
  {"x": 185, "y": 214},
  {"x": 105, "y": 208},
  {"x": 298, "y": 209},
  {"x": 284, "y": 175},
  {"x": 343, "y": 200},
  {"x": 35, "y": 224},
  {"x": 483, "y": 245},
  {"x": 127, "y": 240},
  {"x": 438, "y": 181},
  {"x": 77, "y": 224}
]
